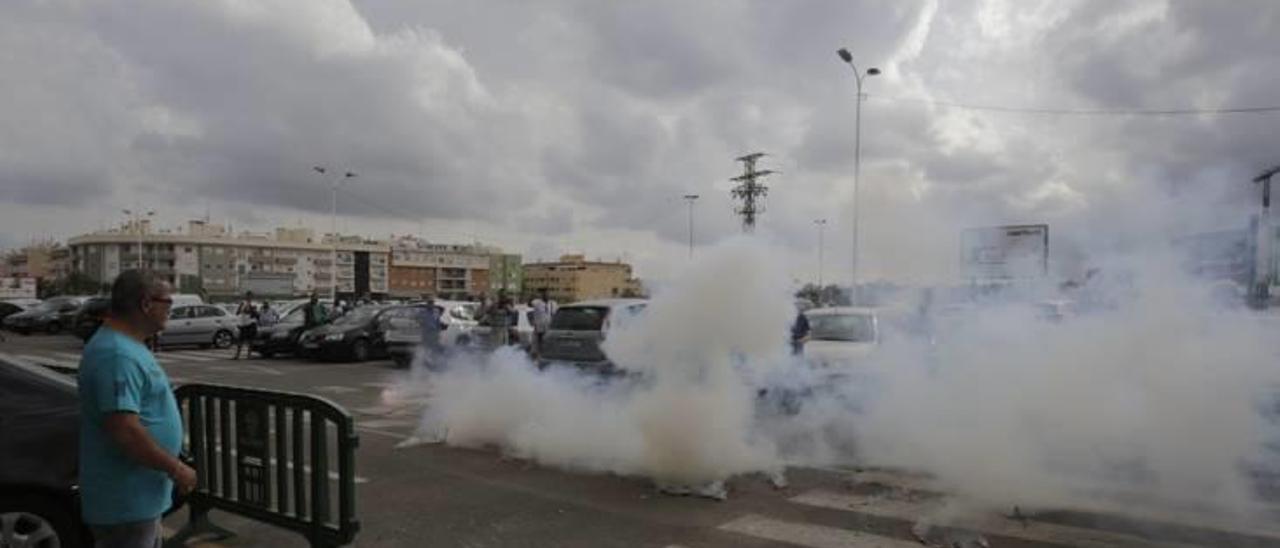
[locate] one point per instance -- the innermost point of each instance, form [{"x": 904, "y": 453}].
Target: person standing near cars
[
  {"x": 313, "y": 314},
  {"x": 130, "y": 426},
  {"x": 540, "y": 311},
  {"x": 247, "y": 315},
  {"x": 432, "y": 320},
  {"x": 267, "y": 317}
]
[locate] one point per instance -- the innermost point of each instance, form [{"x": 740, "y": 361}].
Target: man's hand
[{"x": 184, "y": 478}]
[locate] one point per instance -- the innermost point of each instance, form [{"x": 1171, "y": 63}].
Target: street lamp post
[
  {"x": 333, "y": 228},
  {"x": 137, "y": 225},
  {"x": 857, "y": 156},
  {"x": 822, "y": 225},
  {"x": 690, "y": 198}
]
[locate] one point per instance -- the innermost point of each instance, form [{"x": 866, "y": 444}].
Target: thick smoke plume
[{"x": 1155, "y": 393}]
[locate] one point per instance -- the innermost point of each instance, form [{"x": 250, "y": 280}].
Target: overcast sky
[{"x": 555, "y": 126}]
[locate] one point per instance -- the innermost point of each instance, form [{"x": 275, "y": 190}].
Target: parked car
[
  {"x": 39, "y": 494},
  {"x": 357, "y": 335},
  {"x": 282, "y": 338},
  {"x": 51, "y": 316},
  {"x": 481, "y": 335},
  {"x": 202, "y": 325},
  {"x": 841, "y": 335},
  {"x": 24, "y": 302},
  {"x": 578, "y": 329},
  {"x": 459, "y": 318},
  {"x": 8, "y": 309},
  {"x": 90, "y": 316}
]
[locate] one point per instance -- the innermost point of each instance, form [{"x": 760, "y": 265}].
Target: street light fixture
[
  {"x": 690, "y": 198},
  {"x": 857, "y": 155},
  {"x": 333, "y": 227},
  {"x": 137, "y": 225},
  {"x": 822, "y": 226}
]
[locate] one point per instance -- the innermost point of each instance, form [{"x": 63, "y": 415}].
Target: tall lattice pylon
[{"x": 750, "y": 191}]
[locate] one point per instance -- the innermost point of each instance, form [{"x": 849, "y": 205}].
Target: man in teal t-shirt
[{"x": 130, "y": 427}]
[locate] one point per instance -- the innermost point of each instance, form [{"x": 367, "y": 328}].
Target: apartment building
[
  {"x": 208, "y": 257},
  {"x": 447, "y": 271},
  {"x": 573, "y": 278}
]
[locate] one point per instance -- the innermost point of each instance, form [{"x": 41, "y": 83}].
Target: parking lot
[{"x": 433, "y": 495}]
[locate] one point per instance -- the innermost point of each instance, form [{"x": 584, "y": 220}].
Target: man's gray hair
[{"x": 131, "y": 288}]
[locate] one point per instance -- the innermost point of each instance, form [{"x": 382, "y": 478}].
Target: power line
[{"x": 1083, "y": 112}]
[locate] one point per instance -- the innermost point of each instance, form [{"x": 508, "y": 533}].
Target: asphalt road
[{"x": 432, "y": 495}]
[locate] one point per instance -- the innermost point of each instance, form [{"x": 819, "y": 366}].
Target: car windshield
[
  {"x": 51, "y": 306},
  {"x": 579, "y": 318},
  {"x": 359, "y": 315},
  {"x": 842, "y": 327}
]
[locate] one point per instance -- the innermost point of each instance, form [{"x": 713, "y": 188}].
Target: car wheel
[
  {"x": 267, "y": 354},
  {"x": 400, "y": 361},
  {"x": 360, "y": 350},
  {"x": 53, "y": 328},
  {"x": 37, "y": 521},
  {"x": 223, "y": 339},
  {"x": 462, "y": 340}
]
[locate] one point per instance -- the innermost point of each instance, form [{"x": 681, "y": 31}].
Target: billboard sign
[
  {"x": 1009, "y": 252},
  {"x": 17, "y": 288}
]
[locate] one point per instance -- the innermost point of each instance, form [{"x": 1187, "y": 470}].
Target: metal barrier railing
[{"x": 265, "y": 455}]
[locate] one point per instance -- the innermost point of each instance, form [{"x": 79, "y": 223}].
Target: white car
[{"x": 841, "y": 336}]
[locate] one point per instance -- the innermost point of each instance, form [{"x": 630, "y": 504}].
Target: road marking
[
  {"x": 989, "y": 524},
  {"x": 336, "y": 389},
  {"x": 389, "y": 423},
  {"x": 813, "y": 536},
  {"x": 47, "y": 361},
  {"x": 193, "y": 356},
  {"x": 1153, "y": 513},
  {"x": 68, "y": 355}
]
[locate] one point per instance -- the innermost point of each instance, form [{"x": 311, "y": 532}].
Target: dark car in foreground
[
  {"x": 8, "y": 309},
  {"x": 282, "y": 337},
  {"x": 39, "y": 429},
  {"x": 90, "y": 316},
  {"x": 357, "y": 335},
  {"x": 50, "y": 316}
]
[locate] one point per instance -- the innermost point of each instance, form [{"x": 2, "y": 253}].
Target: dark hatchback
[
  {"x": 90, "y": 316},
  {"x": 358, "y": 335},
  {"x": 50, "y": 316},
  {"x": 282, "y": 337},
  {"x": 39, "y": 422},
  {"x": 8, "y": 309}
]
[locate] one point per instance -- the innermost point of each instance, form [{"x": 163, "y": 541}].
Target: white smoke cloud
[{"x": 1156, "y": 393}]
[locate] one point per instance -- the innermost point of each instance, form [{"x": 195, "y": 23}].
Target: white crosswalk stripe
[{"x": 814, "y": 536}]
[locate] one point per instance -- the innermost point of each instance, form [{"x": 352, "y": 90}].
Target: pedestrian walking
[
  {"x": 247, "y": 316},
  {"x": 130, "y": 426}
]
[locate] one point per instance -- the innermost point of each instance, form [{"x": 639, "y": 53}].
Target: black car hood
[
  {"x": 280, "y": 327},
  {"x": 39, "y": 428},
  {"x": 331, "y": 329},
  {"x": 33, "y": 314}
]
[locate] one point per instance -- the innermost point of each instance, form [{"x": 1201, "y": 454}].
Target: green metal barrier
[{"x": 266, "y": 455}]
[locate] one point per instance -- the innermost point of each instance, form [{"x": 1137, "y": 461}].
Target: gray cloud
[{"x": 569, "y": 119}]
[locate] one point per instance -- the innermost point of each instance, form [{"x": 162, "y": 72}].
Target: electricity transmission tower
[{"x": 749, "y": 191}]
